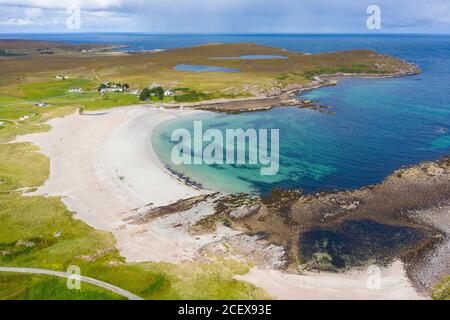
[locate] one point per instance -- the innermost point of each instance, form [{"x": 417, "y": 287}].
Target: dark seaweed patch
[{"x": 356, "y": 243}]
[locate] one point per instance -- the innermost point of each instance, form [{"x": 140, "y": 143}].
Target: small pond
[{"x": 203, "y": 68}]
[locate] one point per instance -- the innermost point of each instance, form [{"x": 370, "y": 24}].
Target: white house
[
  {"x": 169, "y": 93},
  {"x": 2, "y": 123},
  {"x": 61, "y": 77},
  {"x": 134, "y": 91},
  {"x": 76, "y": 90},
  {"x": 41, "y": 104},
  {"x": 112, "y": 89}
]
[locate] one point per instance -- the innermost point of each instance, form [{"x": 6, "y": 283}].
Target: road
[{"x": 85, "y": 279}]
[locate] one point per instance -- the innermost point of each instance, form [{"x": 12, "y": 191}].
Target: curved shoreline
[
  {"x": 287, "y": 96},
  {"x": 91, "y": 186},
  {"x": 128, "y": 160}
]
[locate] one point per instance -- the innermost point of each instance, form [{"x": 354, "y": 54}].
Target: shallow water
[{"x": 372, "y": 132}]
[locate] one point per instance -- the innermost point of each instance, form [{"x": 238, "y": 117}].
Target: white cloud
[
  {"x": 232, "y": 15},
  {"x": 29, "y": 22},
  {"x": 63, "y": 4},
  {"x": 17, "y": 22},
  {"x": 104, "y": 14},
  {"x": 33, "y": 12}
]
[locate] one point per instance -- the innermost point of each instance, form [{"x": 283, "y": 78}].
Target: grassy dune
[{"x": 25, "y": 287}]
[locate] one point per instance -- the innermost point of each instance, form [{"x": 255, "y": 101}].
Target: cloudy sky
[{"x": 224, "y": 16}]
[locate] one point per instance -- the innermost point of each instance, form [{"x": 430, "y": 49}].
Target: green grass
[
  {"x": 37, "y": 116},
  {"x": 354, "y": 69},
  {"x": 29, "y": 169},
  {"x": 28, "y": 226},
  {"x": 110, "y": 100},
  {"x": 282, "y": 77},
  {"x": 60, "y": 101},
  {"x": 92, "y": 100},
  {"x": 55, "y": 88},
  {"x": 37, "y": 287},
  {"x": 195, "y": 96},
  {"x": 442, "y": 290},
  {"x": 6, "y": 100},
  {"x": 55, "y": 93},
  {"x": 165, "y": 99}
]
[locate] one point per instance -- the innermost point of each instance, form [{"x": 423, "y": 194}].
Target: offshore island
[{"x": 81, "y": 185}]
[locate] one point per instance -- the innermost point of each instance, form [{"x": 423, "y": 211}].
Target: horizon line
[{"x": 225, "y": 33}]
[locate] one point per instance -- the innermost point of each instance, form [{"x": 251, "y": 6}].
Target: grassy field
[{"x": 31, "y": 287}]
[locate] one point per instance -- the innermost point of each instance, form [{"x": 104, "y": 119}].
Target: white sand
[
  {"x": 321, "y": 286},
  {"x": 104, "y": 168}
]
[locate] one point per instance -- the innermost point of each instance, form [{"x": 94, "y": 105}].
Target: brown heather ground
[{"x": 142, "y": 69}]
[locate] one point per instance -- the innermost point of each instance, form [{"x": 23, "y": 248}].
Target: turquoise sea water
[{"x": 376, "y": 127}]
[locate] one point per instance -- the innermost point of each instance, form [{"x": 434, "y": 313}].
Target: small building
[
  {"x": 61, "y": 77},
  {"x": 2, "y": 123},
  {"x": 112, "y": 89},
  {"x": 169, "y": 93},
  {"x": 75, "y": 90},
  {"x": 134, "y": 91},
  {"x": 41, "y": 104}
]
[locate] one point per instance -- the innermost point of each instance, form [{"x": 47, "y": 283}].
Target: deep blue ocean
[{"x": 376, "y": 126}]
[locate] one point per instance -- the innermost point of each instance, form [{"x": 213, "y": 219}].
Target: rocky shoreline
[
  {"x": 287, "y": 96},
  {"x": 404, "y": 217}
]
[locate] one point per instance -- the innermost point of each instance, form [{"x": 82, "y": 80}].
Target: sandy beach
[
  {"x": 354, "y": 285},
  {"x": 103, "y": 166}
]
